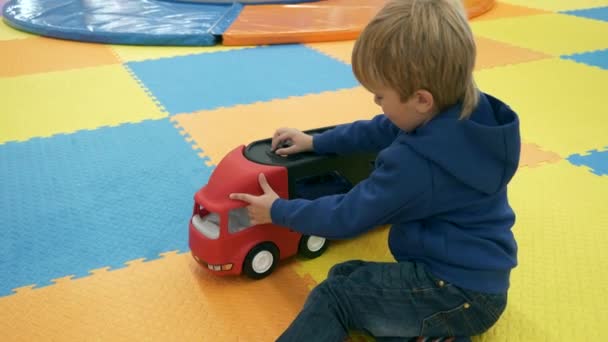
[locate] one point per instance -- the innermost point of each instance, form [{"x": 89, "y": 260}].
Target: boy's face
[{"x": 407, "y": 115}]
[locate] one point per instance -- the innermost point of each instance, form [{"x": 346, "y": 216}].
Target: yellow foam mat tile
[
  {"x": 555, "y": 34},
  {"x": 371, "y": 246},
  {"x": 9, "y": 33},
  {"x": 130, "y": 53},
  {"x": 561, "y": 103},
  {"x": 219, "y": 131},
  {"x": 558, "y": 5},
  {"x": 557, "y": 290},
  {"x": 490, "y": 53},
  {"x": 504, "y": 10},
  {"x": 62, "y": 102},
  {"x": 168, "y": 299}
]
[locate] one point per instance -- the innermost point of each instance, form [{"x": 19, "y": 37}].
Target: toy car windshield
[{"x": 208, "y": 223}]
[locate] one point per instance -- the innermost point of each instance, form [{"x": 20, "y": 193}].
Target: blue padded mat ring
[{"x": 135, "y": 22}]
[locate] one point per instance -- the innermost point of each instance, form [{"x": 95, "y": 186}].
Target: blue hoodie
[{"x": 442, "y": 187}]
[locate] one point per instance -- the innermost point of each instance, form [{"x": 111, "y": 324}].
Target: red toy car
[{"x": 221, "y": 237}]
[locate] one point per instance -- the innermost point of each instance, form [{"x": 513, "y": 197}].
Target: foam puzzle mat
[{"x": 102, "y": 148}]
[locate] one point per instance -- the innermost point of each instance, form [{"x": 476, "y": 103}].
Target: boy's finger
[
  {"x": 281, "y": 138},
  {"x": 275, "y": 141},
  {"x": 264, "y": 183},
  {"x": 277, "y": 138},
  {"x": 243, "y": 197},
  {"x": 287, "y": 150},
  {"x": 280, "y": 130}
]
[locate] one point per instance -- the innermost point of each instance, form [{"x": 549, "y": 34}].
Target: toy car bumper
[{"x": 208, "y": 255}]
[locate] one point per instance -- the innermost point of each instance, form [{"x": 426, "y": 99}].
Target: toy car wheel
[
  {"x": 261, "y": 260},
  {"x": 312, "y": 246}
]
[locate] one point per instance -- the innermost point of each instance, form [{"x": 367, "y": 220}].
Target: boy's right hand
[{"x": 295, "y": 140}]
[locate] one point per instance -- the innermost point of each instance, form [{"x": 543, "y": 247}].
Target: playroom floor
[{"x": 102, "y": 148}]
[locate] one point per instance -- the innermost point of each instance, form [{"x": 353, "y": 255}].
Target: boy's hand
[
  {"x": 298, "y": 141},
  {"x": 259, "y": 206}
]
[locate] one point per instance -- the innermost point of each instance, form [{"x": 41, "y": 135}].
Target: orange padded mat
[{"x": 329, "y": 20}]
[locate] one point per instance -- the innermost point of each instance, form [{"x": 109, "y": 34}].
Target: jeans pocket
[
  {"x": 462, "y": 320},
  {"x": 494, "y": 304}
]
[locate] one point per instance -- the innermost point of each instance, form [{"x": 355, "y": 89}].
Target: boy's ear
[{"x": 425, "y": 103}]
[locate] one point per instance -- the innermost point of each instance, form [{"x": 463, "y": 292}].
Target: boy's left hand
[{"x": 259, "y": 206}]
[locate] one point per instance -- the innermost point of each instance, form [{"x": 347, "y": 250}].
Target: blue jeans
[{"x": 392, "y": 302}]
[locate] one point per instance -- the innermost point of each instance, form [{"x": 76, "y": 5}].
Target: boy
[{"x": 446, "y": 155}]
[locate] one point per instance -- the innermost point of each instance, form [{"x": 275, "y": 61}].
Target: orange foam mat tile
[
  {"x": 490, "y": 53},
  {"x": 328, "y": 20},
  {"x": 533, "y": 155},
  {"x": 216, "y": 132},
  {"x": 341, "y": 51},
  {"x": 168, "y": 299},
  {"x": 36, "y": 55},
  {"x": 504, "y": 10}
]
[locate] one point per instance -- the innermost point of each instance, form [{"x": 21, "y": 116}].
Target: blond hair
[{"x": 420, "y": 44}]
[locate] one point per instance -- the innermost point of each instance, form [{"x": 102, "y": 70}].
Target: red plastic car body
[{"x": 221, "y": 238}]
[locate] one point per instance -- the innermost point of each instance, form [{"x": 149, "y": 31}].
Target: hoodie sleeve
[
  {"x": 399, "y": 186},
  {"x": 360, "y": 136}
]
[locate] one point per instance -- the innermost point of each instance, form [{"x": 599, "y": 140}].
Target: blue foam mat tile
[
  {"x": 135, "y": 22},
  {"x": 598, "y": 13},
  {"x": 79, "y": 275},
  {"x": 597, "y": 161},
  {"x": 91, "y": 199},
  {"x": 35, "y": 286},
  {"x": 594, "y": 58},
  {"x": 190, "y": 83}
]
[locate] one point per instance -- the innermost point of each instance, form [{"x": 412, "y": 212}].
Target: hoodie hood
[{"x": 484, "y": 149}]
